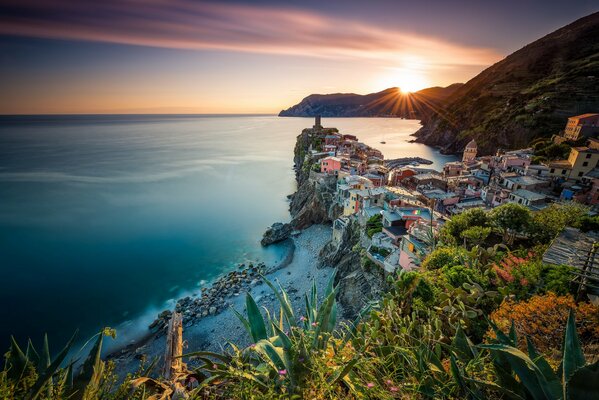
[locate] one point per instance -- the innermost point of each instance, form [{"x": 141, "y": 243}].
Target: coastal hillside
[
  {"x": 387, "y": 103},
  {"x": 527, "y": 95}
]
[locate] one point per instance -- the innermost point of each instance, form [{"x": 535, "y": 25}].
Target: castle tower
[{"x": 470, "y": 151}]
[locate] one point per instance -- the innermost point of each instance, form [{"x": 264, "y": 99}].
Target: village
[{"x": 402, "y": 205}]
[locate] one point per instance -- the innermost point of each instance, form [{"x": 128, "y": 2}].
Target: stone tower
[
  {"x": 470, "y": 151},
  {"x": 317, "y": 122}
]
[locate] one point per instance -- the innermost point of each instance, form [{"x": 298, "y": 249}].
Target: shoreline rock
[{"x": 276, "y": 233}]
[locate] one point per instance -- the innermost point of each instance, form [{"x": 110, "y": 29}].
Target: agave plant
[
  {"x": 530, "y": 376},
  {"x": 283, "y": 348},
  {"x": 51, "y": 379}
]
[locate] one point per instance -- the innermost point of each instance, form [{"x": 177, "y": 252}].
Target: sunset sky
[{"x": 183, "y": 56}]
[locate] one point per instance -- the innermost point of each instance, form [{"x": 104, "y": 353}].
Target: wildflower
[
  {"x": 389, "y": 382},
  {"x": 394, "y": 389},
  {"x": 370, "y": 385},
  {"x": 315, "y": 324},
  {"x": 214, "y": 366},
  {"x": 302, "y": 318},
  {"x": 283, "y": 372}
]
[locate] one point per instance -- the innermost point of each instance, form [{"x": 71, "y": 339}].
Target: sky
[{"x": 184, "y": 56}]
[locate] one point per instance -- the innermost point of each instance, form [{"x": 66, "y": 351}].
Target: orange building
[{"x": 585, "y": 125}]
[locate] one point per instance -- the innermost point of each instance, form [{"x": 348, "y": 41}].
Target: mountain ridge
[
  {"x": 386, "y": 103},
  {"x": 524, "y": 97}
]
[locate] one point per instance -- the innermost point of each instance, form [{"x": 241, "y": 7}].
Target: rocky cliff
[
  {"x": 313, "y": 202},
  {"x": 527, "y": 95},
  {"x": 388, "y": 103},
  {"x": 357, "y": 285}
]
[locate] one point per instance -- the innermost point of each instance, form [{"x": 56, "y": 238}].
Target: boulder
[{"x": 276, "y": 233}]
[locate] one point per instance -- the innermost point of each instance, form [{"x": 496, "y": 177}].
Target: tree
[
  {"x": 451, "y": 232},
  {"x": 549, "y": 222},
  {"x": 476, "y": 235},
  {"x": 511, "y": 219}
]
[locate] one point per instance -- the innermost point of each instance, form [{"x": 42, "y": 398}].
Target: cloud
[{"x": 187, "y": 24}]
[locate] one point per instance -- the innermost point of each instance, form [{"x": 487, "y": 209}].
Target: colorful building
[
  {"x": 584, "y": 125},
  {"x": 329, "y": 165}
]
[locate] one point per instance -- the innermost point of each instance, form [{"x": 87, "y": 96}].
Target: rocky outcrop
[
  {"x": 356, "y": 285},
  {"x": 276, "y": 233},
  {"x": 313, "y": 203}
]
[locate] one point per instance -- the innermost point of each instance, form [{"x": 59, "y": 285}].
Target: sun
[
  {"x": 407, "y": 80},
  {"x": 410, "y": 81}
]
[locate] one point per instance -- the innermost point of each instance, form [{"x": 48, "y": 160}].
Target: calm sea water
[{"x": 105, "y": 219}]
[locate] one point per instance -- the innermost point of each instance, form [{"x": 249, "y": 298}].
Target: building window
[
  {"x": 563, "y": 172},
  {"x": 552, "y": 170},
  {"x": 588, "y": 156},
  {"x": 586, "y": 163}
]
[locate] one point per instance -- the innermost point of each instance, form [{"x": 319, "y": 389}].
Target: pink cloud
[{"x": 186, "y": 24}]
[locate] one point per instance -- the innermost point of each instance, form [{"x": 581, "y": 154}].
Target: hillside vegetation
[{"x": 527, "y": 95}]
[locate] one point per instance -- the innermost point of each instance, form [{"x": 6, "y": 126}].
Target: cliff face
[
  {"x": 356, "y": 285},
  {"x": 527, "y": 95},
  {"x": 388, "y": 103},
  {"x": 313, "y": 202}
]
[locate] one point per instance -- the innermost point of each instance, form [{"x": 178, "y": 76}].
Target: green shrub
[
  {"x": 557, "y": 279},
  {"x": 445, "y": 257}
]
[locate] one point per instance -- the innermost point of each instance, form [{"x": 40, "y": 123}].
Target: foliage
[
  {"x": 452, "y": 230},
  {"x": 476, "y": 235},
  {"x": 510, "y": 219},
  {"x": 556, "y": 279},
  {"x": 518, "y": 276},
  {"x": 374, "y": 225},
  {"x": 286, "y": 349},
  {"x": 33, "y": 374},
  {"x": 588, "y": 223},
  {"x": 549, "y": 222},
  {"x": 444, "y": 257},
  {"x": 528, "y": 375},
  {"x": 542, "y": 319},
  {"x": 553, "y": 151}
]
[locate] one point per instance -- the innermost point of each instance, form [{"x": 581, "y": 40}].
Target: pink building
[
  {"x": 514, "y": 161},
  {"x": 330, "y": 165}
]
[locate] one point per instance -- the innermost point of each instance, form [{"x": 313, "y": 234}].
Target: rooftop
[
  {"x": 524, "y": 180},
  {"x": 396, "y": 230},
  {"x": 563, "y": 164},
  {"x": 529, "y": 195},
  {"x": 587, "y": 115},
  {"x": 421, "y": 177}
]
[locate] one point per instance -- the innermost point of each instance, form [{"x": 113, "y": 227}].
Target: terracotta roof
[{"x": 471, "y": 145}]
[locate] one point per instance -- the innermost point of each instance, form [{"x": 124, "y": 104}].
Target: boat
[{"x": 383, "y": 142}]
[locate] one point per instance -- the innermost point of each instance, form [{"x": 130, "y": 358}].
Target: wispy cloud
[{"x": 187, "y": 24}]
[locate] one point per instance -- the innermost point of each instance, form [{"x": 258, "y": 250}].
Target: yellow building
[{"x": 581, "y": 161}]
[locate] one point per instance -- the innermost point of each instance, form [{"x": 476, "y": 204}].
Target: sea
[{"x": 105, "y": 220}]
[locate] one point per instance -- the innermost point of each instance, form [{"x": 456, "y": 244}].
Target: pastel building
[
  {"x": 584, "y": 125},
  {"x": 329, "y": 165}
]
